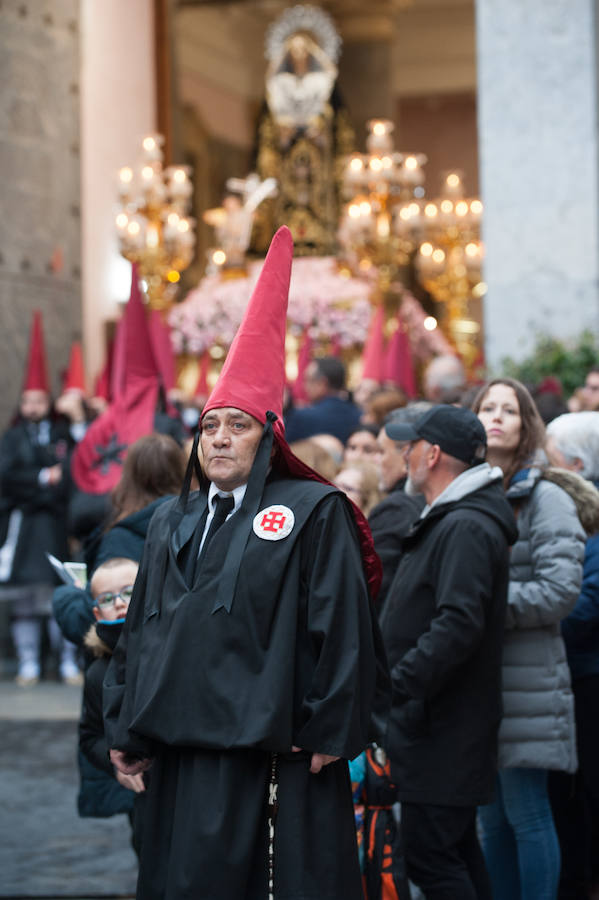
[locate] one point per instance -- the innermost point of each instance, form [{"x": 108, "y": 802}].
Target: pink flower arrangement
[{"x": 331, "y": 305}]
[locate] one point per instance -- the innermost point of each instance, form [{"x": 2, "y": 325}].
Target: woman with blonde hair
[
  {"x": 360, "y": 481},
  {"x": 537, "y": 730}
]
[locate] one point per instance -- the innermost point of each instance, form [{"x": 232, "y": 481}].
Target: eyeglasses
[{"x": 108, "y": 599}]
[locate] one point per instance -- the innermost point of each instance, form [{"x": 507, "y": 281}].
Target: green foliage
[{"x": 567, "y": 360}]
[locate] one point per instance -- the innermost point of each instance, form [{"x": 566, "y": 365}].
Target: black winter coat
[
  {"x": 443, "y": 630},
  {"x": 43, "y": 507},
  {"x": 390, "y": 521}
]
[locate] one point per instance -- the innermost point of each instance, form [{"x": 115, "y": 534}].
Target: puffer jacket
[
  {"x": 580, "y": 629},
  {"x": 537, "y": 730}
]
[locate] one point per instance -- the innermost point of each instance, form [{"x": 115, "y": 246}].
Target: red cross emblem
[{"x": 274, "y": 523}]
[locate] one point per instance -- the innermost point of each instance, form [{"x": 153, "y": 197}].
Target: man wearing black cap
[
  {"x": 392, "y": 518},
  {"x": 443, "y": 628}
]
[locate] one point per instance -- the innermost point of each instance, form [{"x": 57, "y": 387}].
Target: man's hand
[
  {"x": 318, "y": 760},
  {"x": 127, "y": 764},
  {"x": 131, "y": 782},
  {"x": 53, "y": 474}
]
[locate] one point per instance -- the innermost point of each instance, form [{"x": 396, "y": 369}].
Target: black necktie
[{"x": 222, "y": 507}]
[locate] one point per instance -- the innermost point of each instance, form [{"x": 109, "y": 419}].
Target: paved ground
[{"x": 46, "y": 850}]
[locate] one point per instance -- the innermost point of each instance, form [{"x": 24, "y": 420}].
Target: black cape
[
  {"x": 211, "y": 694},
  {"x": 43, "y": 507}
]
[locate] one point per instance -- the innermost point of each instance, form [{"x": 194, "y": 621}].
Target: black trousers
[{"x": 443, "y": 855}]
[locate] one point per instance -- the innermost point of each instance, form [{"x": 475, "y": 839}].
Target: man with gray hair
[
  {"x": 573, "y": 444},
  {"x": 392, "y": 518},
  {"x": 444, "y": 379}
]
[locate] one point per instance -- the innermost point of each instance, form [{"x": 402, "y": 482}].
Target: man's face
[
  {"x": 416, "y": 455},
  {"x": 392, "y": 463},
  {"x": 315, "y": 385},
  {"x": 590, "y": 391},
  {"x": 35, "y": 405},
  {"x": 229, "y": 441}
]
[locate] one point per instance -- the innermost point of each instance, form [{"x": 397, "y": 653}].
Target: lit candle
[
  {"x": 179, "y": 185},
  {"x": 125, "y": 181},
  {"x": 354, "y": 171},
  {"x": 379, "y": 140},
  {"x": 170, "y": 226},
  {"x": 382, "y": 225},
  {"x": 135, "y": 236},
  {"x": 152, "y": 144},
  {"x": 152, "y": 236},
  {"x": 453, "y": 185}
]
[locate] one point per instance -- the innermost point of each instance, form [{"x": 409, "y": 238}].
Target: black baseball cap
[{"x": 457, "y": 431}]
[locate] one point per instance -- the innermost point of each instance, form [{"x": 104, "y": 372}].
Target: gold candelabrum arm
[{"x": 152, "y": 224}]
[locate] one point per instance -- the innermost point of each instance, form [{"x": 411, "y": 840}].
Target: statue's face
[{"x": 298, "y": 48}]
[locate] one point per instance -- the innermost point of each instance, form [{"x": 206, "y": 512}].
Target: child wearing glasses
[{"x": 111, "y": 588}]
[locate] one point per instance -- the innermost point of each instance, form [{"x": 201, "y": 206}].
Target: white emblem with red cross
[{"x": 273, "y": 523}]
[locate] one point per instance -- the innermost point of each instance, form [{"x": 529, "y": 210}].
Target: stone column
[
  {"x": 40, "y": 256},
  {"x": 537, "y": 94},
  {"x": 118, "y": 107}
]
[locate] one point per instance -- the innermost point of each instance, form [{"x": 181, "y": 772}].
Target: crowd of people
[{"x": 410, "y": 586}]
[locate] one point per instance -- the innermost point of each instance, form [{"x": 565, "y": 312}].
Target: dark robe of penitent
[
  {"x": 263, "y": 642},
  {"x": 211, "y": 692}
]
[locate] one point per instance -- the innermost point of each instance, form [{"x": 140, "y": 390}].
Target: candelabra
[
  {"x": 448, "y": 263},
  {"x": 381, "y": 221},
  {"x": 153, "y": 227}
]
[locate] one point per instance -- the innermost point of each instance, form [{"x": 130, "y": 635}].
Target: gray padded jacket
[{"x": 537, "y": 729}]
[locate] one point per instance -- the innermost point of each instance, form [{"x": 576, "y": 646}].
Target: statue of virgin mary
[{"x": 303, "y": 132}]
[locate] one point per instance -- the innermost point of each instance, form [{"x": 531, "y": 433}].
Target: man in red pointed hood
[
  {"x": 250, "y": 667},
  {"x": 34, "y": 454},
  {"x": 135, "y": 408}
]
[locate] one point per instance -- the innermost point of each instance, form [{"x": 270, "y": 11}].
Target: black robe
[
  {"x": 211, "y": 694},
  {"x": 43, "y": 506}
]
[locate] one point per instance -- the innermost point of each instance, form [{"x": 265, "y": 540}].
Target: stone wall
[{"x": 40, "y": 252}]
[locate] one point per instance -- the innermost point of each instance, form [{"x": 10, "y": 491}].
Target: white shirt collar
[{"x": 237, "y": 493}]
